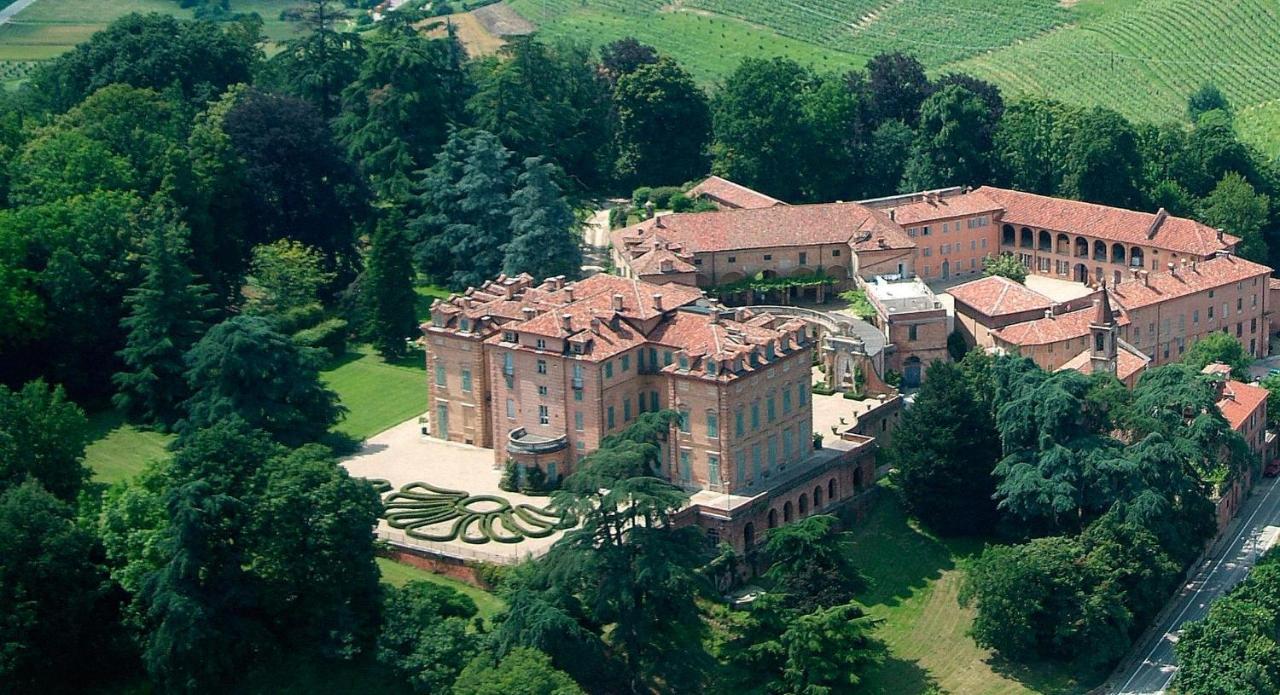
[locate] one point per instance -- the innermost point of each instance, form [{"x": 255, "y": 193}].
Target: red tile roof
[
  {"x": 1067, "y": 326},
  {"x": 651, "y": 263},
  {"x": 780, "y": 226},
  {"x": 733, "y": 195},
  {"x": 945, "y": 208},
  {"x": 1128, "y": 363},
  {"x": 998, "y": 296},
  {"x": 1215, "y": 272},
  {"x": 1176, "y": 234},
  {"x": 1239, "y": 401}
]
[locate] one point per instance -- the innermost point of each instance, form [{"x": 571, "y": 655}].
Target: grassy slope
[
  {"x": 118, "y": 450},
  {"x": 915, "y": 580},
  {"x": 396, "y": 574},
  {"x": 378, "y": 394}
]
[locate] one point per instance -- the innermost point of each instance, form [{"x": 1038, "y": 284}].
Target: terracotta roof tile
[
  {"x": 1128, "y": 363},
  {"x": 651, "y": 263},
  {"x": 945, "y": 208},
  {"x": 998, "y": 296},
  {"x": 731, "y": 194},
  {"x": 1067, "y": 326},
  {"x": 1215, "y": 272},
  {"x": 780, "y": 226},
  {"x": 1176, "y": 234},
  {"x": 1239, "y": 401}
]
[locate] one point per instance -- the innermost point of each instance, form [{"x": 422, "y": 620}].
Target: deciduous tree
[
  {"x": 42, "y": 436},
  {"x": 664, "y": 125}
]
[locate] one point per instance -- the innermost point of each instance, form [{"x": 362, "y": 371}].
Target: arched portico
[
  {"x": 1117, "y": 253},
  {"x": 1064, "y": 245},
  {"x": 1082, "y": 247},
  {"x": 1046, "y": 241},
  {"x": 1026, "y": 238},
  {"x": 1007, "y": 234}
]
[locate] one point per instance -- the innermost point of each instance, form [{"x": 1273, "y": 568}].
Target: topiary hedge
[{"x": 429, "y": 513}]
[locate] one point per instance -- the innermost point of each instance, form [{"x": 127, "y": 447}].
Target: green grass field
[
  {"x": 377, "y": 393},
  {"x": 396, "y": 574},
  {"x": 1139, "y": 57},
  {"x": 915, "y": 580},
  {"x": 118, "y": 450}
]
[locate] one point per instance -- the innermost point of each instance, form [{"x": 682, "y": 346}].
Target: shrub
[
  {"x": 662, "y": 196},
  {"x": 956, "y": 346},
  {"x": 491, "y": 575},
  {"x": 510, "y": 480},
  {"x": 535, "y": 481},
  {"x": 330, "y": 335},
  {"x": 823, "y": 390},
  {"x": 618, "y": 217},
  {"x": 298, "y": 318},
  {"x": 893, "y": 378},
  {"x": 680, "y": 203},
  {"x": 640, "y": 196},
  {"x": 817, "y": 440}
]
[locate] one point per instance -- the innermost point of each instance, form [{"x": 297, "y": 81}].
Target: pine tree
[
  {"x": 168, "y": 313},
  {"x": 388, "y": 287},
  {"x": 543, "y": 243}
]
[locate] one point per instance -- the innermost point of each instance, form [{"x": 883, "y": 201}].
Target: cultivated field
[{"x": 1140, "y": 57}]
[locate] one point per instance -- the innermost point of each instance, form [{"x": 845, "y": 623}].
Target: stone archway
[
  {"x": 1081, "y": 274},
  {"x": 749, "y": 536}
]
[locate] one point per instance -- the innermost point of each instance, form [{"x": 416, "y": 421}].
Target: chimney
[
  {"x": 1220, "y": 235},
  {"x": 617, "y": 302},
  {"x": 595, "y": 325},
  {"x": 1193, "y": 265},
  {"x": 566, "y": 320},
  {"x": 1173, "y": 269},
  {"x": 1146, "y": 278},
  {"x": 1048, "y": 313},
  {"x": 1161, "y": 216},
  {"x": 529, "y": 312},
  {"x": 568, "y": 293},
  {"x": 715, "y": 316},
  {"x": 657, "y": 222},
  {"x": 891, "y": 213},
  {"x": 657, "y": 301}
]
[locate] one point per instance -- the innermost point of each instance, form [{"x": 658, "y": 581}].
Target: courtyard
[{"x": 402, "y": 456}]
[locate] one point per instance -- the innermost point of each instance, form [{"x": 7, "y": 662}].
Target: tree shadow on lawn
[
  {"x": 897, "y": 555},
  {"x": 1049, "y": 678},
  {"x": 898, "y": 676}
]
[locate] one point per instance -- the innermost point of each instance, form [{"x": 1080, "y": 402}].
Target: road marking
[{"x": 1246, "y": 526}]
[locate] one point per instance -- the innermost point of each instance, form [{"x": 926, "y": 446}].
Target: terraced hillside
[{"x": 1140, "y": 57}]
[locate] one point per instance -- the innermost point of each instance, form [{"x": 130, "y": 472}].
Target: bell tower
[{"x": 1102, "y": 335}]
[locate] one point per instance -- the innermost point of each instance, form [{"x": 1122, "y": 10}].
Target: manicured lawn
[
  {"x": 118, "y": 450},
  {"x": 378, "y": 394},
  {"x": 397, "y": 574},
  {"x": 426, "y": 295},
  {"x": 915, "y": 579}
]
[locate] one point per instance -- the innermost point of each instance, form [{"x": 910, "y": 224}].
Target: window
[
  {"x": 804, "y": 258},
  {"x": 1239, "y": 304},
  {"x": 927, "y": 252},
  {"x": 542, "y": 366},
  {"x": 608, "y": 417},
  {"x": 626, "y": 410},
  {"x": 626, "y": 363},
  {"x": 684, "y": 362},
  {"x": 508, "y": 336},
  {"x": 740, "y": 465},
  {"x": 608, "y": 370},
  {"x": 684, "y": 466},
  {"x": 653, "y": 401},
  {"x": 1210, "y": 313},
  {"x": 442, "y": 420},
  {"x": 786, "y": 445},
  {"x": 1195, "y": 317},
  {"x": 440, "y": 379},
  {"x": 544, "y": 415},
  {"x": 912, "y": 332},
  {"x": 786, "y": 401},
  {"x": 684, "y": 421},
  {"x": 713, "y": 469},
  {"x": 771, "y": 408},
  {"x": 542, "y": 390},
  {"x": 982, "y": 243},
  {"x": 1239, "y": 329},
  {"x": 511, "y": 409},
  {"x": 577, "y": 421},
  {"x": 1253, "y": 325},
  {"x": 697, "y": 261},
  {"x": 924, "y": 231},
  {"x": 666, "y": 357},
  {"x": 577, "y": 394},
  {"x": 466, "y": 381},
  {"x": 739, "y": 423},
  {"x": 541, "y": 344},
  {"x": 713, "y": 426},
  {"x": 755, "y": 461},
  {"x": 773, "y": 451},
  {"x": 835, "y": 252},
  {"x": 1210, "y": 294},
  {"x": 802, "y": 393},
  {"x": 640, "y": 402},
  {"x": 755, "y": 416},
  {"x": 733, "y": 259},
  {"x": 768, "y": 257}
]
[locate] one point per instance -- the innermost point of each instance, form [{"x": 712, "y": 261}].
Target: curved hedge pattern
[{"x": 432, "y": 513}]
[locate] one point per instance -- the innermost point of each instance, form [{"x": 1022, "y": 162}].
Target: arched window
[
  {"x": 1099, "y": 342},
  {"x": 1117, "y": 253},
  {"x": 804, "y": 504},
  {"x": 831, "y": 490},
  {"x": 1099, "y": 251},
  {"x": 786, "y": 512},
  {"x": 1027, "y": 239},
  {"x": 817, "y": 497},
  {"x": 1006, "y": 235},
  {"x": 1135, "y": 257},
  {"x": 1082, "y": 247},
  {"x": 773, "y": 518},
  {"x": 1046, "y": 241},
  {"x": 857, "y": 479},
  {"x": 1064, "y": 245},
  {"x": 748, "y": 535}
]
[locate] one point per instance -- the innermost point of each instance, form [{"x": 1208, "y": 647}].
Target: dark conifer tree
[
  {"x": 543, "y": 242},
  {"x": 168, "y": 313},
  {"x": 388, "y": 288}
]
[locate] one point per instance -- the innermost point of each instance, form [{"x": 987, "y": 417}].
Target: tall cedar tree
[
  {"x": 319, "y": 65},
  {"x": 390, "y": 300},
  {"x": 664, "y": 125},
  {"x": 543, "y": 242},
  {"x": 168, "y": 313},
  {"x": 242, "y": 367},
  {"x": 944, "y": 451},
  {"x": 464, "y": 224},
  {"x": 397, "y": 113},
  {"x": 42, "y": 437}
]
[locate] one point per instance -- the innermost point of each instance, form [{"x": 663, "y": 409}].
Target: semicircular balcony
[{"x": 521, "y": 441}]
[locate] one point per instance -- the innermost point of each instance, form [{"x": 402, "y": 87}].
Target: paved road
[
  {"x": 7, "y": 13},
  {"x": 1256, "y": 531}
]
